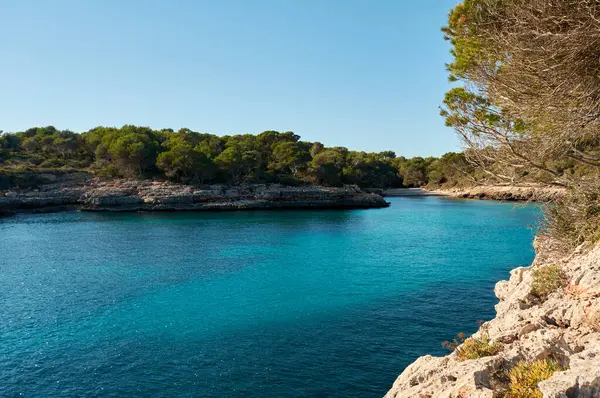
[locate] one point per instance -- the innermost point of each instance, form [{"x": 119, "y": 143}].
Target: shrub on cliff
[
  {"x": 473, "y": 347},
  {"x": 547, "y": 280},
  {"x": 575, "y": 218},
  {"x": 525, "y": 376}
]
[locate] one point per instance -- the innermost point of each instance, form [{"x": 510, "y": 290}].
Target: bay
[{"x": 238, "y": 304}]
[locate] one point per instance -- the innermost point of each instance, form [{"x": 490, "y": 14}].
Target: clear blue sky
[{"x": 365, "y": 74}]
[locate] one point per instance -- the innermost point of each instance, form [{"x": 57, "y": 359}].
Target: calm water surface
[{"x": 266, "y": 304}]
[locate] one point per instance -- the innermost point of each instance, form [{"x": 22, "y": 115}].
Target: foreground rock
[
  {"x": 532, "y": 193},
  {"x": 128, "y": 195},
  {"x": 564, "y": 328}
]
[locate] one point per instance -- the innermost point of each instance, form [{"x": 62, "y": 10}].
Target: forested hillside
[{"x": 188, "y": 156}]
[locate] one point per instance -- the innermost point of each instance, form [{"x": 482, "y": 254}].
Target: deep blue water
[{"x": 265, "y": 304}]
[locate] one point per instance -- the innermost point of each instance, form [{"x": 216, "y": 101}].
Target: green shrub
[
  {"x": 473, "y": 347},
  {"x": 575, "y": 218},
  {"x": 52, "y": 163},
  {"x": 525, "y": 376},
  {"x": 546, "y": 280}
]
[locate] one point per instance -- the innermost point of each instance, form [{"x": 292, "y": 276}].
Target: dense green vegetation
[
  {"x": 192, "y": 157},
  {"x": 528, "y": 107}
]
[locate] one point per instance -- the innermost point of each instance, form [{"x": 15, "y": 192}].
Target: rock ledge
[{"x": 130, "y": 195}]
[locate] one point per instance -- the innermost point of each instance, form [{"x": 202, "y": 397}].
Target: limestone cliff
[{"x": 565, "y": 327}]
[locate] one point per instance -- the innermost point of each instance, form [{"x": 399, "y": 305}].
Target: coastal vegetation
[
  {"x": 192, "y": 157},
  {"x": 547, "y": 280},
  {"x": 473, "y": 347},
  {"x": 527, "y": 102},
  {"x": 525, "y": 376}
]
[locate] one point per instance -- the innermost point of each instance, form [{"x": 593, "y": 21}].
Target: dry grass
[
  {"x": 525, "y": 376},
  {"x": 473, "y": 347},
  {"x": 547, "y": 280},
  {"x": 575, "y": 219}
]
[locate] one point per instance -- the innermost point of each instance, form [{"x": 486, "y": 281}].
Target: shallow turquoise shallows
[{"x": 261, "y": 304}]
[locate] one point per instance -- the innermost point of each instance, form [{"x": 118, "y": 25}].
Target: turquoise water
[{"x": 266, "y": 304}]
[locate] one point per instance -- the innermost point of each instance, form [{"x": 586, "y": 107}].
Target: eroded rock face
[
  {"x": 565, "y": 327},
  {"x": 129, "y": 195},
  {"x": 445, "y": 377}
]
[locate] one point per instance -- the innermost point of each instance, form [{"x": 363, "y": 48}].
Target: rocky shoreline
[
  {"x": 131, "y": 196},
  {"x": 524, "y": 193},
  {"x": 565, "y": 328}
]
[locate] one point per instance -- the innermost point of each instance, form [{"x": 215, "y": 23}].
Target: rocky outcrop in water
[
  {"x": 129, "y": 195},
  {"x": 565, "y": 328}
]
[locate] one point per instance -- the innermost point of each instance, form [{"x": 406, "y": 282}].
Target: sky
[{"x": 365, "y": 74}]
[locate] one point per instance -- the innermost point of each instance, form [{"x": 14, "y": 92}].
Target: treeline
[{"x": 191, "y": 157}]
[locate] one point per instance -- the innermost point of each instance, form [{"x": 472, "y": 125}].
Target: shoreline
[
  {"x": 508, "y": 193},
  {"x": 118, "y": 195},
  {"x": 514, "y": 193},
  {"x": 565, "y": 328}
]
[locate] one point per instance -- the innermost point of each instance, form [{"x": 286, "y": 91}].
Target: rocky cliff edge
[{"x": 564, "y": 328}]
